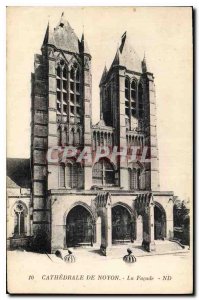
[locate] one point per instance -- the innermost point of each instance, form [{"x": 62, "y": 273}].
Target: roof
[
  {"x": 126, "y": 56},
  {"x": 18, "y": 173},
  {"x": 11, "y": 184},
  {"x": 62, "y": 37}
]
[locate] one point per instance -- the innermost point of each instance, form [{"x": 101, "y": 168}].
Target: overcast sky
[{"x": 164, "y": 34}]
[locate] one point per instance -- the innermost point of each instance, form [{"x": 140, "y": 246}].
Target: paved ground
[
  {"x": 118, "y": 251},
  {"x": 93, "y": 273}
]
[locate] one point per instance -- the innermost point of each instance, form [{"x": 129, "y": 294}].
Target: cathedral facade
[{"x": 78, "y": 202}]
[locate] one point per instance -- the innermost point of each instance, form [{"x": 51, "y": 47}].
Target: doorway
[{"x": 80, "y": 227}]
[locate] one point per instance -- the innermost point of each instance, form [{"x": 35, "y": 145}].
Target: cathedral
[{"x": 75, "y": 203}]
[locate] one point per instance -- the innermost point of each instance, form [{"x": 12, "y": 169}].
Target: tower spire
[
  {"x": 123, "y": 39},
  {"x": 84, "y": 44},
  {"x": 62, "y": 20},
  {"x": 144, "y": 65}
]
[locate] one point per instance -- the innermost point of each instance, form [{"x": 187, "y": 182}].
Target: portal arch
[
  {"x": 123, "y": 223},
  {"x": 80, "y": 225},
  {"x": 159, "y": 222}
]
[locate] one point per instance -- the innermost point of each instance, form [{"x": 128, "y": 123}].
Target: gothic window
[
  {"x": 58, "y": 84},
  {"x": 77, "y": 75},
  {"x": 77, "y": 180},
  {"x": 72, "y": 98},
  {"x": 64, "y": 73},
  {"x": 109, "y": 173},
  {"x": 72, "y": 74},
  {"x": 58, "y": 71},
  {"x": 58, "y": 107},
  {"x": 103, "y": 173},
  {"x": 138, "y": 178},
  {"x": 127, "y": 88},
  {"x": 73, "y": 176},
  {"x": 68, "y": 175},
  {"x": 77, "y": 137},
  {"x": 133, "y": 90},
  {"x": 98, "y": 174},
  {"x": 135, "y": 178},
  {"x": 75, "y": 105},
  {"x": 80, "y": 176},
  {"x": 78, "y": 111},
  {"x": 62, "y": 87},
  {"x": 140, "y": 99},
  {"x": 71, "y": 137},
  {"x": 19, "y": 220},
  {"x": 65, "y": 108},
  {"x": 62, "y": 175},
  {"x": 78, "y": 99},
  {"x": 133, "y": 97},
  {"x": 77, "y": 87},
  {"x": 59, "y": 136},
  {"x": 64, "y": 97},
  {"x": 127, "y": 96},
  {"x": 65, "y": 85},
  {"x": 64, "y": 136},
  {"x": 72, "y": 87}
]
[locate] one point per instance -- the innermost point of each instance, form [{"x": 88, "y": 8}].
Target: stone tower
[
  {"x": 61, "y": 115},
  {"x": 127, "y": 94}
]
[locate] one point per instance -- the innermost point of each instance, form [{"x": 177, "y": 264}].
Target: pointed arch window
[
  {"x": 64, "y": 73},
  {"x": 127, "y": 97},
  {"x": 77, "y": 176},
  {"x": 62, "y": 89},
  {"x": 68, "y": 175},
  {"x": 103, "y": 173},
  {"x": 98, "y": 173},
  {"x": 133, "y": 97},
  {"x": 62, "y": 175},
  {"x": 127, "y": 88},
  {"x": 73, "y": 176},
  {"x": 80, "y": 176},
  {"x": 59, "y": 136},
  {"x": 59, "y": 71},
  {"x": 75, "y": 94},
  {"x": 109, "y": 173},
  {"x": 77, "y": 137},
  {"x": 133, "y": 90},
  {"x": 140, "y": 99},
  {"x": 72, "y": 74},
  {"x": 19, "y": 220},
  {"x": 135, "y": 179},
  {"x": 71, "y": 137},
  {"x": 77, "y": 75}
]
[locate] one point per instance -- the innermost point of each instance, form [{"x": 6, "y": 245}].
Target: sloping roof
[
  {"x": 62, "y": 37},
  {"x": 11, "y": 184},
  {"x": 126, "y": 56},
  {"x": 18, "y": 173},
  {"x": 101, "y": 123}
]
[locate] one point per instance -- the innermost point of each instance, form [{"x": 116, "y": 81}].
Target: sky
[{"x": 163, "y": 34}]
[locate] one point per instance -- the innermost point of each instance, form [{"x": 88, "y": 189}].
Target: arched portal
[
  {"x": 159, "y": 222},
  {"x": 80, "y": 227},
  {"x": 123, "y": 227}
]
